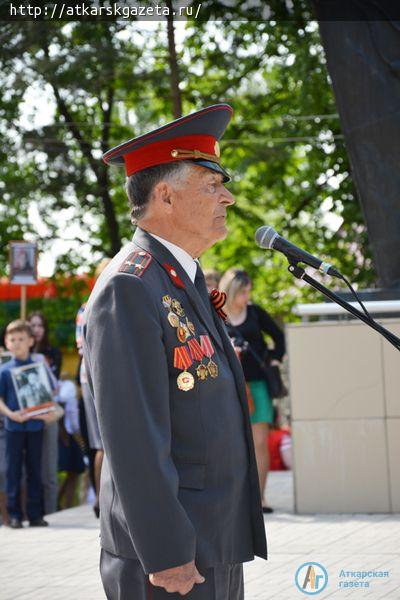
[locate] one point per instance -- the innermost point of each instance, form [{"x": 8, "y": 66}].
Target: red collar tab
[{"x": 176, "y": 280}]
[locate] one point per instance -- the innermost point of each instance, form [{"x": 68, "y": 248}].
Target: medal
[
  {"x": 206, "y": 346},
  {"x": 212, "y": 369},
  {"x": 202, "y": 372},
  {"x": 185, "y": 381},
  {"x": 195, "y": 350},
  {"x": 185, "y": 327},
  {"x": 166, "y": 300},
  {"x": 173, "y": 319},
  {"x": 208, "y": 350},
  {"x": 176, "y": 306},
  {"x": 181, "y": 333},
  {"x": 182, "y": 360},
  {"x": 190, "y": 326}
]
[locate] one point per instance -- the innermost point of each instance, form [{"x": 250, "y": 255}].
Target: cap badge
[{"x": 195, "y": 154}]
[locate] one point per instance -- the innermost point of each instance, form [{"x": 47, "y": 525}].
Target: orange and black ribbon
[{"x": 218, "y": 300}]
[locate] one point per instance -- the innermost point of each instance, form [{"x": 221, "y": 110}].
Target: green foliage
[
  {"x": 290, "y": 168},
  {"x": 109, "y": 81}
]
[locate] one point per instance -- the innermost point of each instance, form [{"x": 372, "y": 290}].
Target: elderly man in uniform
[{"x": 180, "y": 503}]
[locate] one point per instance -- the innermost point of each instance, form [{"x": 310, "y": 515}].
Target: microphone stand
[{"x": 300, "y": 273}]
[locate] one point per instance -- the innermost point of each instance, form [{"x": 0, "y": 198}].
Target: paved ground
[{"x": 60, "y": 562}]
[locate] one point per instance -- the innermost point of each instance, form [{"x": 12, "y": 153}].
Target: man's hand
[{"x": 179, "y": 579}]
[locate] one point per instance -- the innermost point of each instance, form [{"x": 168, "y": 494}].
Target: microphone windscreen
[{"x": 265, "y": 235}]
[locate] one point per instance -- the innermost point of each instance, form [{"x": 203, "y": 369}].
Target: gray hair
[{"x": 140, "y": 185}]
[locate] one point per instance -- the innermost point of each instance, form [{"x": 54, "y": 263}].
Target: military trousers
[{"x": 124, "y": 579}]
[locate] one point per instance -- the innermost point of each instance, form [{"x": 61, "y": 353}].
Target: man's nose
[{"x": 227, "y": 198}]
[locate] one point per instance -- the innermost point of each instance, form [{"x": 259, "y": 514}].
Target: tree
[
  {"x": 285, "y": 148},
  {"x": 89, "y": 70},
  {"x": 109, "y": 81}
]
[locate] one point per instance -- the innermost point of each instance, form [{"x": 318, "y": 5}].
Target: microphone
[{"x": 267, "y": 237}]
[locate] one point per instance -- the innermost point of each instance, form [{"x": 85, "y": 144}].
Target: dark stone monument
[{"x": 363, "y": 57}]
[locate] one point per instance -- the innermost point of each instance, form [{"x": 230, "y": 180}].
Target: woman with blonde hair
[{"x": 247, "y": 325}]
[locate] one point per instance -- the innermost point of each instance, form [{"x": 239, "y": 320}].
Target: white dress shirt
[{"x": 184, "y": 259}]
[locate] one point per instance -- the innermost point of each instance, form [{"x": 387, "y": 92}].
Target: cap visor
[{"x": 209, "y": 164}]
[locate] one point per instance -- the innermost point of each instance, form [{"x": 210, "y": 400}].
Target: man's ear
[{"x": 163, "y": 195}]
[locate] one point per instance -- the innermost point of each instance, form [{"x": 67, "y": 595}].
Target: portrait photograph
[
  {"x": 32, "y": 385},
  {"x": 23, "y": 263}
]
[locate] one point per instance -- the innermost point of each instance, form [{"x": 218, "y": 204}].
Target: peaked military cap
[{"x": 193, "y": 137}]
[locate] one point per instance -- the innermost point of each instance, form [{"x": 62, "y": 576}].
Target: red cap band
[{"x": 161, "y": 152}]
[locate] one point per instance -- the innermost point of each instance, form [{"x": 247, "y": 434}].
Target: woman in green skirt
[{"x": 248, "y": 324}]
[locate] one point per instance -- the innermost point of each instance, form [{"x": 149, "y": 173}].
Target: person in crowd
[
  {"x": 279, "y": 445},
  {"x": 247, "y": 325},
  {"x": 42, "y": 346},
  {"x": 180, "y": 504},
  {"x": 3, "y": 497},
  {"x": 88, "y": 485},
  {"x": 212, "y": 278},
  {"x": 70, "y": 458},
  {"x": 24, "y": 435},
  {"x": 95, "y": 443}
]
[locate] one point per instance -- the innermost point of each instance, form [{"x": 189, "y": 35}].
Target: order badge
[
  {"x": 173, "y": 319},
  {"x": 185, "y": 381}
]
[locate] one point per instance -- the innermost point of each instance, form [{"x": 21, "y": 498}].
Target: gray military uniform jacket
[{"x": 179, "y": 479}]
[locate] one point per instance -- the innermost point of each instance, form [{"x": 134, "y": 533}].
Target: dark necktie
[{"x": 201, "y": 287}]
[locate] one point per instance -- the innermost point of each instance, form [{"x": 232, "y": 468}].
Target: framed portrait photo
[
  {"x": 32, "y": 387},
  {"x": 23, "y": 263}
]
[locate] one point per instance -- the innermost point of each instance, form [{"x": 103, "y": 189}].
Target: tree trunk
[{"x": 173, "y": 64}]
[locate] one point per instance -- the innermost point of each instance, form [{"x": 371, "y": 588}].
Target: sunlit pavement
[{"x": 61, "y": 561}]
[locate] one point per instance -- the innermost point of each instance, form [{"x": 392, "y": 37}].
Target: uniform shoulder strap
[{"x": 136, "y": 263}]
